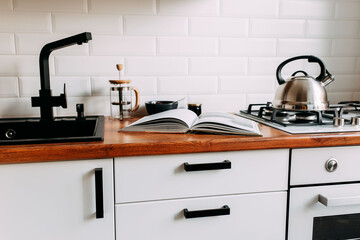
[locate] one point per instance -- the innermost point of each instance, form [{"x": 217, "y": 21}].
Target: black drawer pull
[
  {"x": 99, "y": 197},
  {"x": 207, "y": 166},
  {"x": 225, "y": 210}
]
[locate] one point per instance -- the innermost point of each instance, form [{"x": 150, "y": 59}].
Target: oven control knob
[
  {"x": 355, "y": 121},
  {"x": 338, "y": 121},
  {"x": 331, "y": 165}
]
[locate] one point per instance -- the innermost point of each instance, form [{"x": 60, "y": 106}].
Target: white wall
[{"x": 221, "y": 53}]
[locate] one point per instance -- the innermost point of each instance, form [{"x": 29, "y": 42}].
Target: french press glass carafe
[{"x": 121, "y": 99}]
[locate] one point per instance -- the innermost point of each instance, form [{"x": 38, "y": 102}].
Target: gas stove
[{"x": 341, "y": 117}]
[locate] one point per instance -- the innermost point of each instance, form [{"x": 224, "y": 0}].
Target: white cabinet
[
  {"x": 152, "y": 193},
  {"x": 57, "y": 200},
  {"x": 221, "y": 195}
]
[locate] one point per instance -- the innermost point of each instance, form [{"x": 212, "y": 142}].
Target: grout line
[
  {"x": 52, "y": 22},
  {"x": 123, "y": 25},
  {"x": 18, "y": 86},
  {"x": 157, "y": 6},
  {"x": 15, "y": 44},
  {"x": 219, "y": 7},
  {"x": 86, "y": 3}
]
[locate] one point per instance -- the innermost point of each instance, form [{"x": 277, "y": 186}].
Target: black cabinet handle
[
  {"x": 207, "y": 166},
  {"x": 99, "y": 197},
  {"x": 225, "y": 210}
]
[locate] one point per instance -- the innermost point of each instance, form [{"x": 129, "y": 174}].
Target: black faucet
[{"x": 46, "y": 101}]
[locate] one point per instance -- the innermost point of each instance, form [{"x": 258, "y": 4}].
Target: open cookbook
[{"x": 186, "y": 121}]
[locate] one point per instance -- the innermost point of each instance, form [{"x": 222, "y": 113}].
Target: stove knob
[
  {"x": 331, "y": 165},
  {"x": 355, "y": 121},
  {"x": 338, "y": 121}
]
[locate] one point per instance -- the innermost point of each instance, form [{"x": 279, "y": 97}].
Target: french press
[{"x": 121, "y": 97}]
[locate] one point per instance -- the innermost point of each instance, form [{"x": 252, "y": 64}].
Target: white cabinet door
[{"x": 56, "y": 201}]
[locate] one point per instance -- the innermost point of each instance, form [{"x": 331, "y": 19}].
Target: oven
[{"x": 324, "y": 195}]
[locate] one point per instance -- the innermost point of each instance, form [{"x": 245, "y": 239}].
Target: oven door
[{"x": 324, "y": 212}]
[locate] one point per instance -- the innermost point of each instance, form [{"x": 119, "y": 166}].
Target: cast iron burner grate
[{"x": 292, "y": 118}]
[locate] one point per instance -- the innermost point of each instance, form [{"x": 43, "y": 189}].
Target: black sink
[{"x": 61, "y": 129}]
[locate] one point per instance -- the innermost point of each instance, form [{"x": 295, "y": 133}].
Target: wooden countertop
[{"x": 117, "y": 144}]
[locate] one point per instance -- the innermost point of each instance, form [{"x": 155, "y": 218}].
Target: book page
[
  {"x": 225, "y": 122},
  {"x": 165, "y": 121}
]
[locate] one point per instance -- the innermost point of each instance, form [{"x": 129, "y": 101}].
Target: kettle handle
[{"x": 310, "y": 58}]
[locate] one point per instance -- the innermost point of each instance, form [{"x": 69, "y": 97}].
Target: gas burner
[
  {"x": 296, "y": 117},
  {"x": 283, "y": 113},
  {"x": 267, "y": 111},
  {"x": 281, "y": 116},
  {"x": 284, "y": 117},
  {"x": 304, "y": 117}
]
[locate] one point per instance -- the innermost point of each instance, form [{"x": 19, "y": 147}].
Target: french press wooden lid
[
  {"x": 120, "y": 67},
  {"x": 120, "y": 81}
]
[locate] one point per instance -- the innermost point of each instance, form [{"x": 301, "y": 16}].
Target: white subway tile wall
[
  {"x": 40, "y": 5},
  {"x": 147, "y": 7},
  {"x": 188, "y": 7},
  {"x": 221, "y": 53},
  {"x": 25, "y": 22},
  {"x": 5, "y": 4},
  {"x": 7, "y": 45},
  {"x": 218, "y": 27}
]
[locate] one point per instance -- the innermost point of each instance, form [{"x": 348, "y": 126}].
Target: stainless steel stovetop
[{"x": 342, "y": 117}]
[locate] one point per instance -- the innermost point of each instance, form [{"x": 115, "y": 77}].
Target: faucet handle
[{"x": 63, "y": 102}]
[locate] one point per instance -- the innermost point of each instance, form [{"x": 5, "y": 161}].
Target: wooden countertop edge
[{"x": 72, "y": 151}]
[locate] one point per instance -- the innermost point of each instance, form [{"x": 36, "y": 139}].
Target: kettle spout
[{"x": 328, "y": 78}]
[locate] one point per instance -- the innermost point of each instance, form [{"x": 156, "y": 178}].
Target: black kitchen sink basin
[{"x": 61, "y": 129}]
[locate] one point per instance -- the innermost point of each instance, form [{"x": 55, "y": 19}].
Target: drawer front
[
  {"x": 163, "y": 177},
  {"x": 252, "y": 216},
  {"x": 309, "y": 166}
]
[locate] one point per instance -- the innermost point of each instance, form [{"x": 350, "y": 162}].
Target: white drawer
[
  {"x": 163, "y": 177},
  {"x": 252, "y": 216},
  {"x": 308, "y": 166}
]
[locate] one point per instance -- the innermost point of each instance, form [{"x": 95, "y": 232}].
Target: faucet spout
[
  {"x": 46, "y": 101},
  {"x": 48, "y": 48}
]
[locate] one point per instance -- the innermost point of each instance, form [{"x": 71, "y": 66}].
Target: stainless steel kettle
[{"x": 302, "y": 93}]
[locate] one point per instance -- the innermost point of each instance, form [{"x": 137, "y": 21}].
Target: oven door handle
[{"x": 339, "y": 201}]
